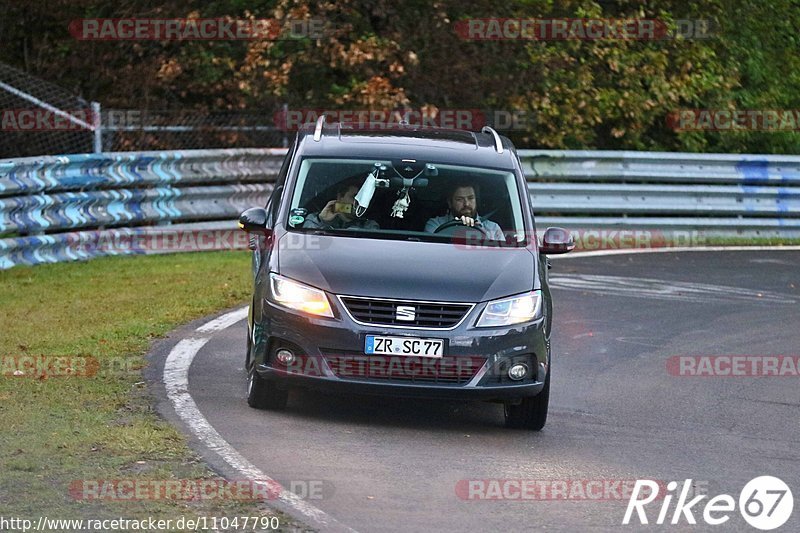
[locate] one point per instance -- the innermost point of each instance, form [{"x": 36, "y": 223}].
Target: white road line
[
  {"x": 664, "y": 289},
  {"x": 676, "y": 249},
  {"x": 176, "y": 380},
  {"x": 225, "y": 321}
]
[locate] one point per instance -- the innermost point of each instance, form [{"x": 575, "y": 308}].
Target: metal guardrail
[
  {"x": 714, "y": 195},
  {"x": 80, "y": 206}
]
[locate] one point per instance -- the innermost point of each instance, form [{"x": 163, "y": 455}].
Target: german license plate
[{"x": 379, "y": 345}]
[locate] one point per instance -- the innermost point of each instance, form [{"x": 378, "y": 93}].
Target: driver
[
  {"x": 328, "y": 218},
  {"x": 462, "y": 206}
]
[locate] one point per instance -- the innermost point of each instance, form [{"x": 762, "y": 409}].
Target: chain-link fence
[
  {"x": 125, "y": 130},
  {"x": 40, "y": 118}
]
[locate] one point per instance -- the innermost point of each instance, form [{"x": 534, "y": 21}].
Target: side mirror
[
  {"x": 556, "y": 241},
  {"x": 254, "y": 220}
]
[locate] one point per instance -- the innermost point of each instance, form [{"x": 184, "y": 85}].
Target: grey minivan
[{"x": 401, "y": 262}]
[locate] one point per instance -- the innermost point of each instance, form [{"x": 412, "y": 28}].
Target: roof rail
[
  {"x": 318, "y": 127},
  {"x": 498, "y": 144}
]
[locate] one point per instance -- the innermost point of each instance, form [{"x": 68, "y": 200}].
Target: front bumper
[{"x": 330, "y": 357}]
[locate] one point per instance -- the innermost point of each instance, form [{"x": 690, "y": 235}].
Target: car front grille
[
  {"x": 380, "y": 312},
  {"x": 443, "y": 371}
]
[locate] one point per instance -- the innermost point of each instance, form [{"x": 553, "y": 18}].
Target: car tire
[
  {"x": 531, "y": 412},
  {"x": 263, "y": 395}
]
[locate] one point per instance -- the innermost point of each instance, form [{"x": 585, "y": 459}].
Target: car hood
[{"x": 405, "y": 269}]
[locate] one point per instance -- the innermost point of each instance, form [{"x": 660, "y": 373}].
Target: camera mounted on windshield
[{"x": 405, "y": 175}]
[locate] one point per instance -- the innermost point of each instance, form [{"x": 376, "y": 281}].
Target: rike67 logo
[{"x": 765, "y": 503}]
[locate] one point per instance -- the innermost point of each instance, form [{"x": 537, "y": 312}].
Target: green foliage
[{"x": 383, "y": 54}]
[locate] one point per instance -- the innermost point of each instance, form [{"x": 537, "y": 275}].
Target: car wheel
[
  {"x": 531, "y": 413},
  {"x": 262, "y": 395}
]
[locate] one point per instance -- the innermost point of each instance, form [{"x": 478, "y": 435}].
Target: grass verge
[
  {"x": 57, "y": 431},
  {"x": 751, "y": 241}
]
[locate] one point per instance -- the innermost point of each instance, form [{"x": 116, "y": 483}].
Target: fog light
[
  {"x": 284, "y": 357},
  {"x": 518, "y": 371}
]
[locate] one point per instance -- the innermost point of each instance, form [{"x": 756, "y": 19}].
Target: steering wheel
[{"x": 457, "y": 222}]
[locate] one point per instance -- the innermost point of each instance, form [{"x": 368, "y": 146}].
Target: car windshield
[{"x": 408, "y": 200}]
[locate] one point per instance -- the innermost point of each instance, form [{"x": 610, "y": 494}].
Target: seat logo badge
[{"x": 405, "y": 312}]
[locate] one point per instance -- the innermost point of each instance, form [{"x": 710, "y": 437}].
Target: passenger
[{"x": 329, "y": 218}]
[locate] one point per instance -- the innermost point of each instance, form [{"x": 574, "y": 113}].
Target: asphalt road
[{"x": 616, "y": 412}]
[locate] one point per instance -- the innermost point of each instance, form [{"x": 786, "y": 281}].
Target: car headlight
[
  {"x": 299, "y": 297},
  {"x": 514, "y": 310}
]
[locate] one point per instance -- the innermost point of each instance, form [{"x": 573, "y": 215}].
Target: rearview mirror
[
  {"x": 254, "y": 220},
  {"x": 556, "y": 241}
]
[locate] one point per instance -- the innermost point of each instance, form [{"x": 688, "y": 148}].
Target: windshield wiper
[{"x": 320, "y": 231}]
